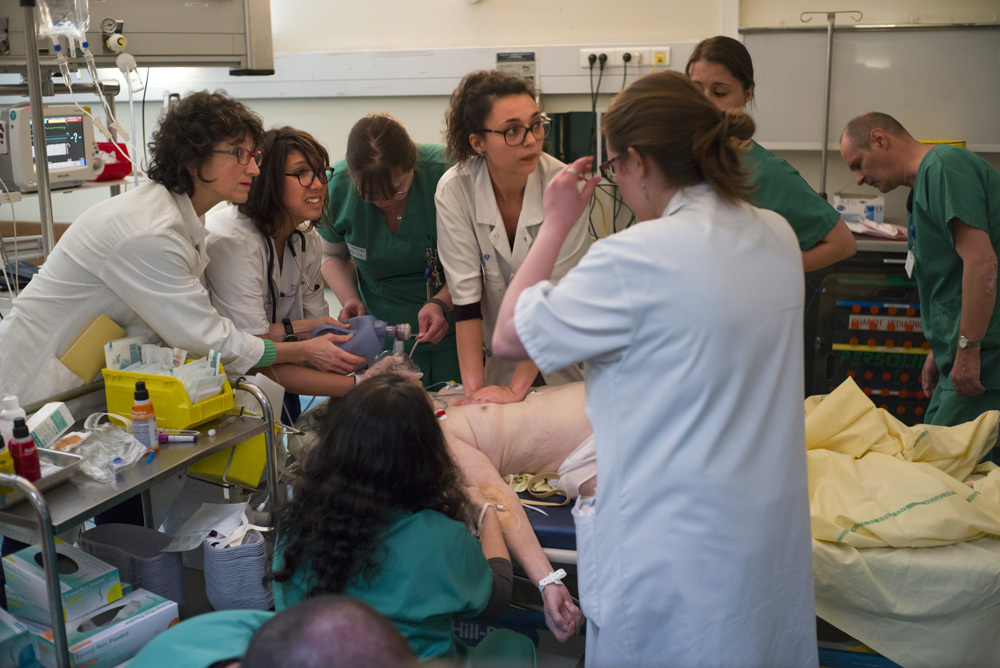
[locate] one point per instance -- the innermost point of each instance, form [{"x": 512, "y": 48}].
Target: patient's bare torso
[{"x": 533, "y": 436}]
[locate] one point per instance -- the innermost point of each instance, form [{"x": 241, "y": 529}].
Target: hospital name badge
[{"x": 357, "y": 252}]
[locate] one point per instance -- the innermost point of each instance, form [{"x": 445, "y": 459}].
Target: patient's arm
[{"x": 562, "y": 616}]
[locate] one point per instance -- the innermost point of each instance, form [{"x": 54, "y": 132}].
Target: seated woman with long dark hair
[{"x": 378, "y": 514}]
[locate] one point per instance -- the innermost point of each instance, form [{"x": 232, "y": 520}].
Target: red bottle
[{"x": 24, "y": 452}]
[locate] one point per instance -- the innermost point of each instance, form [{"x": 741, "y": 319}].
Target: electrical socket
[
  {"x": 661, "y": 55},
  {"x": 638, "y": 56},
  {"x": 597, "y": 51}
]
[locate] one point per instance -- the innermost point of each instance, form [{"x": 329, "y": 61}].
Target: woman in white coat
[
  {"x": 139, "y": 259},
  {"x": 489, "y": 209},
  {"x": 264, "y": 273},
  {"x": 695, "y": 550}
]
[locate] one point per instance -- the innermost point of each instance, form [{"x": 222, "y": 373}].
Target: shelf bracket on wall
[{"x": 831, "y": 19}]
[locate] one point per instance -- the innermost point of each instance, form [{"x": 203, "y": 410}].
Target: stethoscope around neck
[{"x": 272, "y": 288}]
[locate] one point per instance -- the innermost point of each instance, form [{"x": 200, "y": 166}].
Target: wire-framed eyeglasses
[
  {"x": 307, "y": 177},
  {"x": 242, "y": 155},
  {"x": 516, "y": 134}
]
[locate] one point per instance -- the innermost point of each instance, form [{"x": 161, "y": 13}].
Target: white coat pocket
[{"x": 587, "y": 566}]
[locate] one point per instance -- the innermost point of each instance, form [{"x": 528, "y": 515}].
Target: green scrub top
[
  {"x": 429, "y": 569},
  {"x": 391, "y": 269},
  {"x": 779, "y": 188},
  {"x": 203, "y": 640},
  {"x": 952, "y": 182}
]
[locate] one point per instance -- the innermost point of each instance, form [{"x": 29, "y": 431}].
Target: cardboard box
[
  {"x": 49, "y": 423},
  {"x": 17, "y": 644},
  {"x": 87, "y": 583},
  {"x": 855, "y": 208},
  {"x": 108, "y": 636}
]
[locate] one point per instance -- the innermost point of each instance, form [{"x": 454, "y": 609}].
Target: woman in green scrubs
[
  {"x": 380, "y": 234},
  {"x": 723, "y": 68},
  {"x": 387, "y": 525}
]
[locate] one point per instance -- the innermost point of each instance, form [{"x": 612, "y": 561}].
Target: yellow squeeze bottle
[{"x": 6, "y": 466}]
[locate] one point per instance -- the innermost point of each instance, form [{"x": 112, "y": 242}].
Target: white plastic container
[{"x": 10, "y": 410}]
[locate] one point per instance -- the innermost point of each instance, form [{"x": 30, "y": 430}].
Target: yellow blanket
[{"x": 875, "y": 482}]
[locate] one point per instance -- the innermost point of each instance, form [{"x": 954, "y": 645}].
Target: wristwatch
[
  {"x": 289, "y": 332},
  {"x": 964, "y": 343}
]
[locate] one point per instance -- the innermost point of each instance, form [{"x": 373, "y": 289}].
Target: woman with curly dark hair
[
  {"x": 139, "y": 258},
  {"x": 489, "y": 210},
  {"x": 378, "y": 515},
  {"x": 264, "y": 273}
]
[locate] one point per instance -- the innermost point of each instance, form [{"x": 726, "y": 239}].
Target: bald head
[
  {"x": 859, "y": 130},
  {"x": 328, "y": 631}
]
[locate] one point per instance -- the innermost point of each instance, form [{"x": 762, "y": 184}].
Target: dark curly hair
[
  {"x": 190, "y": 130},
  {"x": 378, "y": 145},
  {"x": 471, "y": 104},
  {"x": 380, "y": 451},
  {"x": 265, "y": 205}
]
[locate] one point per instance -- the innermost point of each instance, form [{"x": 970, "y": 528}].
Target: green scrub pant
[
  {"x": 503, "y": 648},
  {"x": 948, "y": 408}
]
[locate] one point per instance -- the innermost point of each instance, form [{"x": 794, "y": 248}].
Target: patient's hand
[
  {"x": 561, "y": 615},
  {"x": 491, "y": 394}
]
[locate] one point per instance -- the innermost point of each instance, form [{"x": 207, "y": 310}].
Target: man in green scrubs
[
  {"x": 326, "y": 631},
  {"x": 954, "y": 232}
]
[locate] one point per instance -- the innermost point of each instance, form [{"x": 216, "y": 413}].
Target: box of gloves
[
  {"x": 17, "y": 644},
  {"x": 855, "y": 208},
  {"x": 112, "y": 634},
  {"x": 87, "y": 583}
]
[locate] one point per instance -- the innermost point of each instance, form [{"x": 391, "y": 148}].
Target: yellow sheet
[{"x": 875, "y": 482}]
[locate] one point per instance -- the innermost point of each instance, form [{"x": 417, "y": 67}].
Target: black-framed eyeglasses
[
  {"x": 608, "y": 169},
  {"x": 516, "y": 134},
  {"x": 242, "y": 155},
  {"x": 307, "y": 177}
]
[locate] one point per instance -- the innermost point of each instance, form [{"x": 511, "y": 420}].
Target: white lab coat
[
  {"x": 477, "y": 257},
  {"x": 238, "y": 278},
  {"x": 137, "y": 258},
  {"x": 691, "y": 325}
]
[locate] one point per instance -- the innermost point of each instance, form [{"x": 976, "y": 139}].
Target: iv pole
[{"x": 831, "y": 18}]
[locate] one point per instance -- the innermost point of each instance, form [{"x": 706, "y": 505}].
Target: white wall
[
  {"x": 345, "y": 25},
  {"x": 771, "y": 13},
  {"x": 306, "y": 26}
]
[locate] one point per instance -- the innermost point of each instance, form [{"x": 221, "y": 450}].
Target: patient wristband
[{"x": 554, "y": 577}]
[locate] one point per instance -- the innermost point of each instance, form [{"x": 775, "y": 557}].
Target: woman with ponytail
[{"x": 696, "y": 548}]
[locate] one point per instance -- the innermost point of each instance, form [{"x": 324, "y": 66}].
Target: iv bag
[{"x": 63, "y": 18}]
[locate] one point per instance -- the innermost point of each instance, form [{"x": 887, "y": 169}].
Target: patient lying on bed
[{"x": 548, "y": 431}]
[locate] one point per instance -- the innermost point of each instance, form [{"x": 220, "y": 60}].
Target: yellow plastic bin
[
  {"x": 170, "y": 401},
  {"x": 241, "y": 465}
]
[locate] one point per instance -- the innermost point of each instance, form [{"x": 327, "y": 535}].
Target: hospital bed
[{"x": 854, "y": 589}]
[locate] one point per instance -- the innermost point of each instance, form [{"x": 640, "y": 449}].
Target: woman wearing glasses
[
  {"x": 380, "y": 238},
  {"x": 696, "y": 548},
  {"x": 489, "y": 210},
  {"x": 138, "y": 258},
  {"x": 264, "y": 272}
]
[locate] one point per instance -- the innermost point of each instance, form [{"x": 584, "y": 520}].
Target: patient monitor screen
[{"x": 64, "y": 141}]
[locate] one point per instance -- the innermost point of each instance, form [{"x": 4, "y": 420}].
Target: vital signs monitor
[{"x": 73, "y": 155}]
